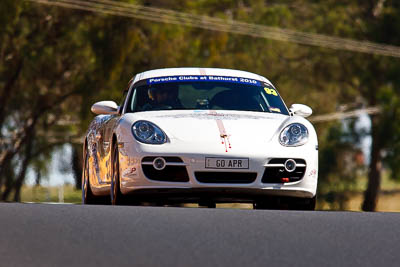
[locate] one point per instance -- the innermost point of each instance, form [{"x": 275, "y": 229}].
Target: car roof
[{"x": 198, "y": 71}]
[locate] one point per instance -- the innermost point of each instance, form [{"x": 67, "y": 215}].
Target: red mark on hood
[{"x": 222, "y": 132}]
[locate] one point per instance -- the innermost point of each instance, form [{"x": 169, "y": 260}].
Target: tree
[
  {"x": 379, "y": 86},
  {"x": 36, "y": 63}
]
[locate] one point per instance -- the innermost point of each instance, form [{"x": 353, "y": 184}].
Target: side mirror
[
  {"x": 105, "y": 107},
  {"x": 301, "y": 110}
]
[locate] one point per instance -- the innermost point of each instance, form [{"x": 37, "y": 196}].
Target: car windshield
[{"x": 205, "y": 92}]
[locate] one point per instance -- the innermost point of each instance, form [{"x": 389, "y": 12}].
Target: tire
[
  {"x": 303, "y": 204},
  {"x": 267, "y": 203},
  {"x": 117, "y": 198},
  {"x": 288, "y": 203},
  {"x": 87, "y": 194},
  {"x": 207, "y": 204}
]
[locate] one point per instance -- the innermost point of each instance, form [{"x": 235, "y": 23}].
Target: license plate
[{"x": 226, "y": 163}]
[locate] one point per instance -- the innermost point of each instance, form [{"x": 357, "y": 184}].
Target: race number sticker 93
[{"x": 270, "y": 91}]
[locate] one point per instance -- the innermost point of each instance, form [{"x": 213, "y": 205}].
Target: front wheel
[{"x": 116, "y": 195}]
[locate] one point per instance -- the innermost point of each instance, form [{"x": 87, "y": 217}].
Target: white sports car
[{"x": 201, "y": 135}]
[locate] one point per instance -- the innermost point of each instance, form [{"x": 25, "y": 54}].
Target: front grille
[
  {"x": 276, "y": 173},
  {"x": 168, "y": 174},
  {"x": 226, "y": 177}
]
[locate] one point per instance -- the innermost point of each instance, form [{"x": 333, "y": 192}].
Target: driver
[{"x": 163, "y": 98}]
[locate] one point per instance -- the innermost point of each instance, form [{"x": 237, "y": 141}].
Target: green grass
[
  {"x": 51, "y": 194},
  {"x": 387, "y": 183}
]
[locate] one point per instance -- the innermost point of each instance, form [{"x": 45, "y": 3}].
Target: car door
[
  {"x": 107, "y": 139},
  {"x": 107, "y": 147},
  {"x": 101, "y": 150}
]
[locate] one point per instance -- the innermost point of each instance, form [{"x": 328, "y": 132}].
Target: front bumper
[{"x": 134, "y": 180}]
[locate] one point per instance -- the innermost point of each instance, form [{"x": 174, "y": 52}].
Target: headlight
[
  {"x": 149, "y": 133},
  {"x": 295, "y": 134}
]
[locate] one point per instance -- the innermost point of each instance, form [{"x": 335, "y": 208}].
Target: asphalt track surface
[{"x": 77, "y": 235}]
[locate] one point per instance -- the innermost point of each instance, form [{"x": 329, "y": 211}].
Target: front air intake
[
  {"x": 277, "y": 170},
  {"x": 173, "y": 169}
]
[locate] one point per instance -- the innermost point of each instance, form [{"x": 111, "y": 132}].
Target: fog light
[
  {"x": 290, "y": 165},
  {"x": 159, "y": 163}
]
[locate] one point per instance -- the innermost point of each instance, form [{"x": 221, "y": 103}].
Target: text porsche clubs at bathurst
[{"x": 202, "y": 135}]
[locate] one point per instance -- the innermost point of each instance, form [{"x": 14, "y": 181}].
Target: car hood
[{"x": 203, "y": 126}]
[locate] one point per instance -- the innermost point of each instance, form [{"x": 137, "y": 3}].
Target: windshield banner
[{"x": 202, "y": 78}]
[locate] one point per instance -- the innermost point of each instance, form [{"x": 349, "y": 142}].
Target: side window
[
  {"x": 125, "y": 97},
  {"x": 133, "y": 99},
  {"x": 122, "y": 102}
]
